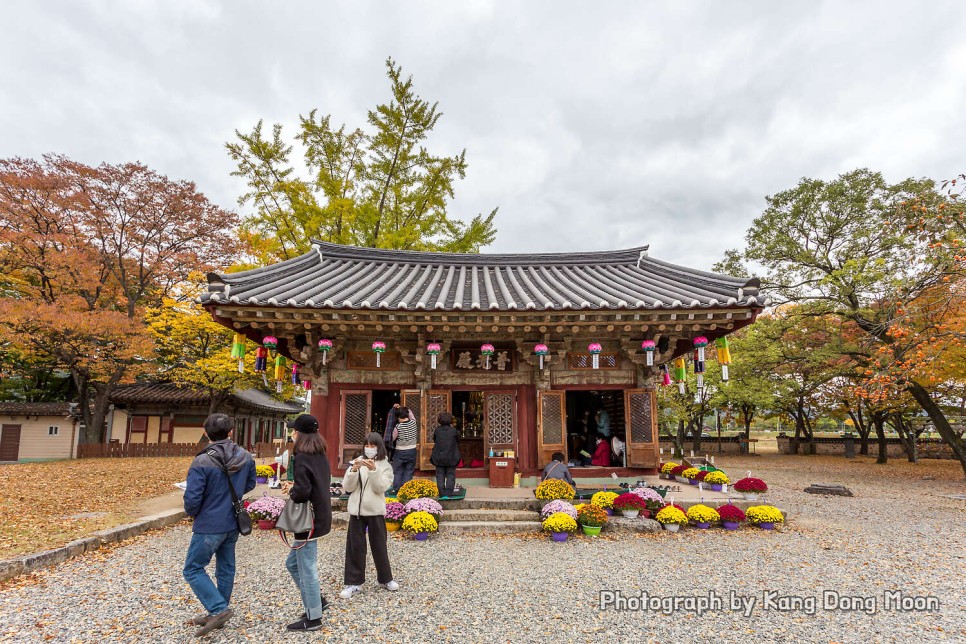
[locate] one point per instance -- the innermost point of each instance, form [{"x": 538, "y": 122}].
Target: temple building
[{"x": 532, "y": 353}]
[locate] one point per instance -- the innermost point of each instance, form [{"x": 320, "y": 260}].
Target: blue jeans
[
  {"x": 203, "y": 547},
  {"x": 403, "y": 465},
  {"x": 303, "y": 565}
]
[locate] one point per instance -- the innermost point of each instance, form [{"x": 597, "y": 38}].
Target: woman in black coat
[
  {"x": 446, "y": 454},
  {"x": 312, "y": 481}
]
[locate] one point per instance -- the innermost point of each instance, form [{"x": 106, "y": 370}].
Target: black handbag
[{"x": 241, "y": 514}]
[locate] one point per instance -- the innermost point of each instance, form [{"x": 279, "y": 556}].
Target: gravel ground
[{"x": 896, "y": 534}]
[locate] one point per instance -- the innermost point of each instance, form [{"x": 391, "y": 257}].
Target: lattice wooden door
[
  {"x": 551, "y": 425},
  {"x": 500, "y": 420},
  {"x": 354, "y": 419},
  {"x": 640, "y": 414},
  {"x": 435, "y": 402}
]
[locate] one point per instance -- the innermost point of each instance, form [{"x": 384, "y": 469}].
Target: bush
[
  {"x": 731, "y": 513},
  {"x": 629, "y": 501},
  {"x": 668, "y": 467},
  {"x": 671, "y": 514},
  {"x": 751, "y": 486},
  {"x": 425, "y": 504},
  {"x": 591, "y": 515},
  {"x": 395, "y": 511},
  {"x": 417, "y": 489},
  {"x": 559, "y": 522},
  {"x": 553, "y": 489},
  {"x": 764, "y": 514},
  {"x": 717, "y": 478},
  {"x": 702, "y": 514},
  {"x": 603, "y": 499},
  {"x": 419, "y": 522},
  {"x": 264, "y": 470},
  {"x": 558, "y": 505},
  {"x": 690, "y": 473}
]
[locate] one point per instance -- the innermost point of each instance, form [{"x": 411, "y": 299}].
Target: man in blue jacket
[{"x": 208, "y": 499}]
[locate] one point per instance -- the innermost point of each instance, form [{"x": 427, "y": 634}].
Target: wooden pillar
[{"x": 328, "y": 416}]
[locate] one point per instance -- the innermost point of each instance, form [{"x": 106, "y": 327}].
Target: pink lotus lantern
[
  {"x": 487, "y": 350},
  {"x": 594, "y": 348},
  {"x": 433, "y": 349},
  {"x": 379, "y": 348},
  {"x": 541, "y": 350},
  {"x": 649, "y": 346},
  {"x": 325, "y": 346}
]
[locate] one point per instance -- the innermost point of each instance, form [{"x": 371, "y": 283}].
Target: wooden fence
[{"x": 143, "y": 450}]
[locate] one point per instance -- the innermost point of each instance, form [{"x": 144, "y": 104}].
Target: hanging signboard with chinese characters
[{"x": 474, "y": 358}]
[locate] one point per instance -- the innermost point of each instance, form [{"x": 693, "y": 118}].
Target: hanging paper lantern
[
  {"x": 270, "y": 342},
  {"x": 433, "y": 349},
  {"x": 308, "y": 395},
  {"x": 680, "y": 372},
  {"x": 296, "y": 381},
  {"x": 238, "y": 351},
  {"x": 379, "y": 348},
  {"x": 279, "y": 373},
  {"x": 700, "y": 343},
  {"x": 487, "y": 350},
  {"x": 724, "y": 356},
  {"x": 594, "y": 348},
  {"x": 649, "y": 346},
  {"x": 307, "y": 385},
  {"x": 541, "y": 350},
  {"x": 261, "y": 359},
  {"x": 325, "y": 346},
  {"x": 667, "y": 375}
]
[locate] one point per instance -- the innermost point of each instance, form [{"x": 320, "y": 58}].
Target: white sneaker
[
  {"x": 349, "y": 591},
  {"x": 392, "y": 585}
]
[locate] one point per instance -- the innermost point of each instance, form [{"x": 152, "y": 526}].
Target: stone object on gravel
[
  {"x": 828, "y": 489},
  {"x": 623, "y": 524}
]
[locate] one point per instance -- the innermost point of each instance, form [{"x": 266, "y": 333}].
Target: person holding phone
[
  {"x": 407, "y": 438},
  {"x": 367, "y": 480}
]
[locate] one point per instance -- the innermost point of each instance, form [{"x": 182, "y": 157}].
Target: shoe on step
[
  {"x": 349, "y": 591},
  {"x": 214, "y": 621},
  {"x": 305, "y": 625},
  {"x": 392, "y": 586}
]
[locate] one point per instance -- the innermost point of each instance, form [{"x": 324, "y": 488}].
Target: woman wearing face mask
[{"x": 367, "y": 481}]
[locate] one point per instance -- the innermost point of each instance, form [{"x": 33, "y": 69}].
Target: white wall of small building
[{"x": 36, "y": 441}]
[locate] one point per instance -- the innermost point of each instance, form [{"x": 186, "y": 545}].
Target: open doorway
[
  {"x": 590, "y": 413},
  {"x": 382, "y": 402},
  {"x": 468, "y": 419}
]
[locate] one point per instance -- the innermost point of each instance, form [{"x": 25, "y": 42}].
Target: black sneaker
[{"x": 305, "y": 625}]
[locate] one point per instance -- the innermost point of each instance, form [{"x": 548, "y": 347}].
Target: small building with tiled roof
[
  {"x": 506, "y": 343},
  {"x": 37, "y": 431}
]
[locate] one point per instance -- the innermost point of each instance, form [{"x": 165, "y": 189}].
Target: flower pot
[
  {"x": 592, "y": 530},
  {"x": 671, "y": 527},
  {"x": 716, "y": 487},
  {"x": 680, "y": 479},
  {"x": 729, "y": 525},
  {"x": 421, "y": 536},
  {"x": 261, "y": 479},
  {"x": 704, "y": 525},
  {"x": 767, "y": 525},
  {"x": 266, "y": 524},
  {"x": 560, "y": 536},
  {"x": 645, "y": 514},
  {"x": 609, "y": 511},
  {"x": 630, "y": 514},
  {"x": 392, "y": 526},
  {"x": 750, "y": 496},
  {"x": 693, "y": 481}
]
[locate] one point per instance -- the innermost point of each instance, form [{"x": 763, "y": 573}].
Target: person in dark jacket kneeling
[
  {"x": 207, "y": 498},
  {"x": 312, "y": 479},
  {"x": 446, "y": 454}
]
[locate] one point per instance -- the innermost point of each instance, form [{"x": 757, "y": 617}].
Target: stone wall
[
  {"x": 927, "y": 447},
  {"x": 729, "y": 445}
]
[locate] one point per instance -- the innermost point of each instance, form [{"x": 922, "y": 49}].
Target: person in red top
[{"x": 601, "y": 453}]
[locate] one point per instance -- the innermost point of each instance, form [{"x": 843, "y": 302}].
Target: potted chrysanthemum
[
  {"x": 667, "y": 469},
  {"x": 691, "y": 475},
  {"x": 420, "y": 524},
  {"x": 671, "y": 518},
  {"x": 629, "y": 504},
  {"x": 604, "y": 500},
  {"x": 731, "y": 516},
  {"x": 560, "y": 525},
  {"x": 591, "y": 519},
  {"x": 263, "y": 473},
  {"x": 416, "y": 489},
  {"x": 265, "y": 511},
  {"x": 678, "y": 473},
  {"x": 395, "y": 513},
  {"x": 717, "y": 480},
  {"x": 750, "y": 488},
  {"x": 702, "y": 516},
  {"x": 764, "y": 516},
  {"x": 558, "y": 505},
  {"x": 552, "y": 489},
  {"x": 653, "y": 501},
  {"x": 425, "y": 504}
]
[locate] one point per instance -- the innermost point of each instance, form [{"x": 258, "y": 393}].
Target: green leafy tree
[{"x": 378, "y": 187}]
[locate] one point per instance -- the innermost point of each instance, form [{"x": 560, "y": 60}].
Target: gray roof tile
[{"x": 347, "y": 277}]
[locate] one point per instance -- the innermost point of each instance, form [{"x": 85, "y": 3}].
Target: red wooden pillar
[
  {"x": 328, "y": 417},
  {"x": 527, "y": 419}
]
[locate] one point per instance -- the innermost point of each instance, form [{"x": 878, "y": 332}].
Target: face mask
[{"x": 371, "y": 452}]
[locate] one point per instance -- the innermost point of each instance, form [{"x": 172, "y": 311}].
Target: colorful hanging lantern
[
  {"x": 541, "y": 350},
  {"x": 261, "y": 359},
  {"x": 487, "y": 350},
  {"x": 279, "y": 373},
  {"x": 325, "y": 346},
  {"x": 666, "y": 380},
  {"x": 238, "y": 351},
  {"x": 680, "y": 373},
  {"x": 296, "y": 381},
  {"x": 594, "y": 348},
  {"x": 307, "y": 385},
  {"x": 700, "y": 343},
  {"x": 270, "y": 342},
  {"x": 379, "y": 348},
  {"x": 649, "y": 347},
  {"x": 724, "y": 356},
  {"x": 433, "y": 349}
]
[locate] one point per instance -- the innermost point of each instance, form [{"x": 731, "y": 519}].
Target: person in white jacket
[{"x": 367, "y": 481}]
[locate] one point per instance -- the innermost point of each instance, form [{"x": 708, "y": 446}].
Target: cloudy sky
[{"x": 590, "y": 125}]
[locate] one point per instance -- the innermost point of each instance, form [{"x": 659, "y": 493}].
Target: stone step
[
  {"x": 485, "y": 527},
  {"x": 490, "y": 515}
]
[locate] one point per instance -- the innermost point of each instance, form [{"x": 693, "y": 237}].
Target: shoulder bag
[
  {"x": 296, "y": 518},
  {"x": 241, "y": 514}
]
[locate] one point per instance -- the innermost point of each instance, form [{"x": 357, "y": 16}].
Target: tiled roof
[
  {"x": 35, "y": 408},
  {"x": 172, "y": 394},
  {"x": 331, "y": 276}
]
